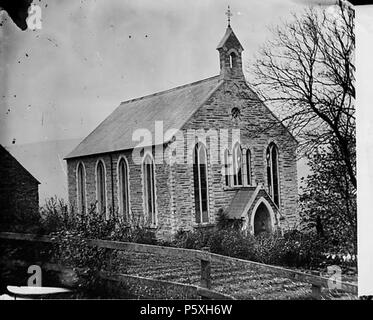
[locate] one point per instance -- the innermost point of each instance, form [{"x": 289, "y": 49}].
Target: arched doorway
[{"x": 262, "y": 220}]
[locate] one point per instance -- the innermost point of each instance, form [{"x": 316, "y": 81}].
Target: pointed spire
[
  {"x": 230, "y": 50},
  {"x": 229, "y": 15}
]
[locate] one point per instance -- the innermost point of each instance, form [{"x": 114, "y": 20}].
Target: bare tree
[{"x": 307, "y": 75}]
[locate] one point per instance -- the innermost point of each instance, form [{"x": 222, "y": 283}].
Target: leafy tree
[
  {"x": 328, "y": 200},
  {"x": 306, "y": 73}
]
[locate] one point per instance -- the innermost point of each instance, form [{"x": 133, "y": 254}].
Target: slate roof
[
  {"x": 246, "y": 198},
  {"x": 228, "y": 33},
  {"x": 240, "y": 201},
  {"x": 174, "y": 107}
]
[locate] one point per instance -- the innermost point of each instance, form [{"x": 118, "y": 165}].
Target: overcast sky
[{"x": 61, "y": 81}]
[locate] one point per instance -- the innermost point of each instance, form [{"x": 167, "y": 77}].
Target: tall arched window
[
  {"x": 226, "y": 168},
  {"x": 248, "y": 167},
  {"x": 237, "y": 165},
  {"x": 232, "y": 60},
  {"x": 80, "y": 174},
  {"x": 200, "y": 183},
  {"x": 149, "y": 190},
  {"x": 272, "y": 173},
  {"x": 123, "y": 189},
  {"x": 101, "y": 187}
]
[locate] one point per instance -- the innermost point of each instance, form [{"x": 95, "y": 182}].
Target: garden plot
[{"x": 237, "y": 281}]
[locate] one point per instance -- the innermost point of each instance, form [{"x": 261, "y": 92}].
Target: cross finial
[{"x": 229, "y": 15}]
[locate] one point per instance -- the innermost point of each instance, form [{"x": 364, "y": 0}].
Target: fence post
[
  {"x": 206, "y": 272},
  {"x": 316, "y": 289}
]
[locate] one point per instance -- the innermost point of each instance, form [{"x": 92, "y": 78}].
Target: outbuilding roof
[{"x": 15, "y": 164}]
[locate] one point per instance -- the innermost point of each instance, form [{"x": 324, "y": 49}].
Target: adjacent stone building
[
  {"x": 19, "y": 196},
  {"x": 173, "y": 159}
]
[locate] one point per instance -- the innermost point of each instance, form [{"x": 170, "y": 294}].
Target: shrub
[
  {"x": 223, "y": 221},
  {"x": 54, "y": 215},
  {"x": 71, "y": 230},
  {"x": 293, "y": 249},
  {"x": 193, "y": 239},
  {"x": 231, "y": 242},
  {"x": 303, "y": 249},
  {"x": 142, "y": 235},
  {"x": 72, "y": 250},
  {"x": 266, "y": 249}
]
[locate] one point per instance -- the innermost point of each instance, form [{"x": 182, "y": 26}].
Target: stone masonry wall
[
  {"x": 162, "y": 177},
  {"x": 258, "y": 129}
]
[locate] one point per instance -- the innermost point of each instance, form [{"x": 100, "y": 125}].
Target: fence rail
[
  {"x": 161, "y": 288},
  {"x": 205, "y": 257}
]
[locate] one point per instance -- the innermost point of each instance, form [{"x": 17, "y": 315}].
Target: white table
[{"x": 30, "y": 291}]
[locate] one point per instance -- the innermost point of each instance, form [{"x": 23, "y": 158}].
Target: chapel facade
[{"x": 174, "y": 159}]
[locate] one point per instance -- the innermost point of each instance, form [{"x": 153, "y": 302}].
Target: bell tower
[{"x": 230, "y": 52}]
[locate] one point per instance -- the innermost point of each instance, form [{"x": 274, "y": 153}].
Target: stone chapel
[{"x": 220, "y": 148}]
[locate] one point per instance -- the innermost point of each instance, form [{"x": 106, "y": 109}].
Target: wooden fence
[{"x": 205, "y": 258}]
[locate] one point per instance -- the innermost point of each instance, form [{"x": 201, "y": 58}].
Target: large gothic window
[
  {"x": 226, "y": 168},
  {"x": 237, "y": 165},
  {"x": 248, "y": 167},
  {"x": 81, "y": 187},
  {"x": 200, "y": 184},
  {"x": 101, "y": 188},
  {"x": 272, "y": 173},
  {"x": 149, "y": 190},
  {"x": 123, "y": 189}
]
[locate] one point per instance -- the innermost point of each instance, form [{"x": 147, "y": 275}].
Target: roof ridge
[
  {"x": 17, "y": 161},
  {"x": 169, "y": 90},
  {"x": 202, "y": 89}
]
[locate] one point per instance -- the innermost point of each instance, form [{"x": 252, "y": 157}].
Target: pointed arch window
[
  {"x": 232, "y": 60},
  {"x": 237, "y": 165},
  {"x": 200, "y": 184},
  {"x": 101, "y": 187},
  {"x": 123, "y": 189},
  {"x": 272, "y": 173},
  {"x": 226, "y": 168},
  {"x": 149, "y": 190},
  {"x": 248, "y": 167},
  {"x": 81, "y": 187}
]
